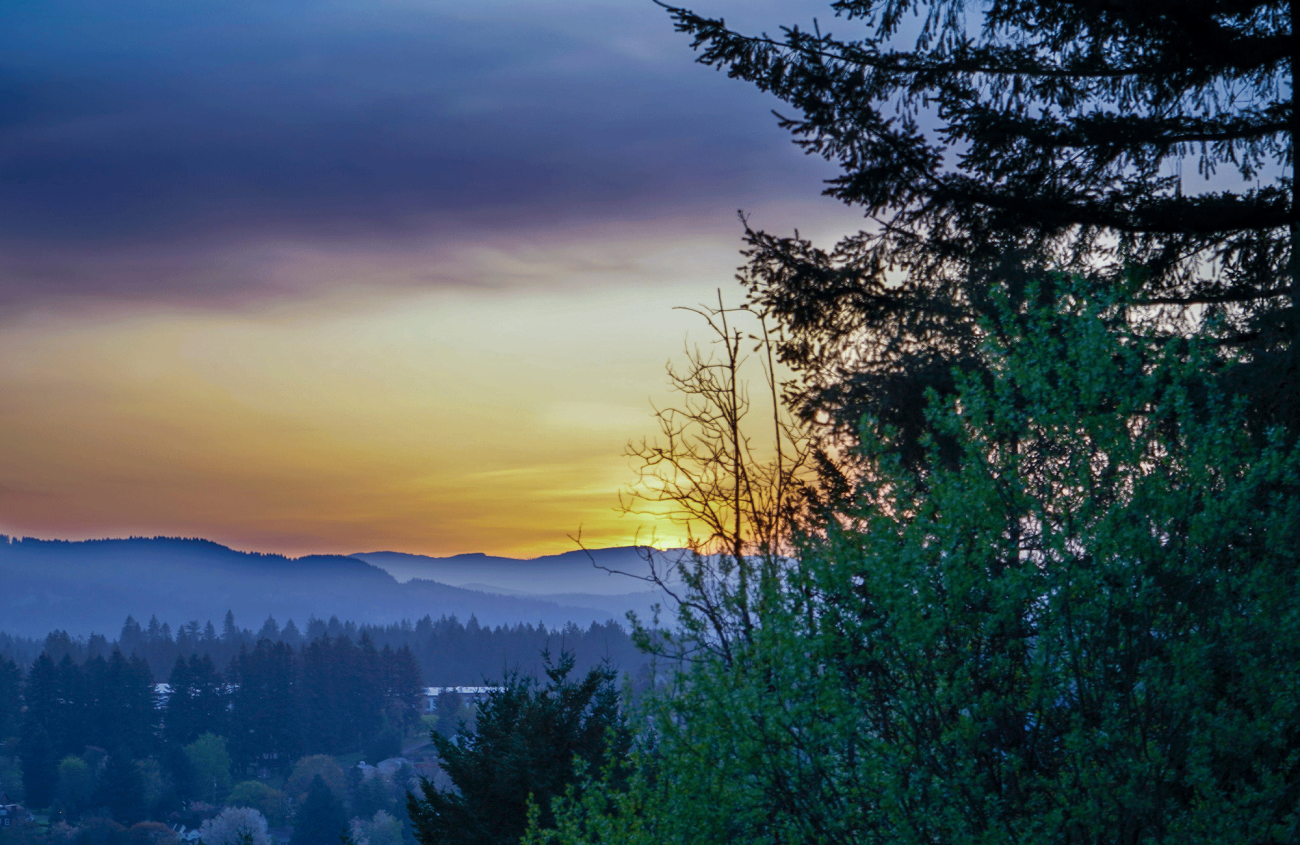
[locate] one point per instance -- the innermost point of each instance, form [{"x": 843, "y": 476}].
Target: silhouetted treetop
[{"x": 1146, "y": 143}]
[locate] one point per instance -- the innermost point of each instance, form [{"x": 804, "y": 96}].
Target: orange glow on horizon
[{"x": 427, "y": 422}]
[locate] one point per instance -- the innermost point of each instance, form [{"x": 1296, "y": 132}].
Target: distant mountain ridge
[
  {"x": 92, "y": 585},
  {"x": 593, "y": 571}
]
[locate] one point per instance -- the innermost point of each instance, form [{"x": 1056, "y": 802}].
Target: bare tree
[{"x": 734, "y": 483}]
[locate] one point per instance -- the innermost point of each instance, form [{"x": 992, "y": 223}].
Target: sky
[{"x": 336, "y": 277}]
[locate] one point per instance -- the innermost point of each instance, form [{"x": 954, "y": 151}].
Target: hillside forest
[{"x": 158, "y": 733}]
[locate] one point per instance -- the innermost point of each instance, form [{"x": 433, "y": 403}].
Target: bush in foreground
[{"x": 1083, "y": 625}]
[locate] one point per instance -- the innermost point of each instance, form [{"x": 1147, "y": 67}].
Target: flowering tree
[{"x": 235, "y": 826}]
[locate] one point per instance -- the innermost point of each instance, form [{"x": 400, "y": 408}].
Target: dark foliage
[
  {"x": 121, "y": 789},
  {"x": 197, "y": 703},
  {"x": 320, "y": 819},
  {"x": 445, "y": 651},
  {"x": 11, "y": 680},
  {"x": 265, "y": 724},
  {"x": 1046, "y": 134},
  {"x": 336, "y": 694},
  {"x": 107, "y": 703},
  {"x": 524, "y": 747}
]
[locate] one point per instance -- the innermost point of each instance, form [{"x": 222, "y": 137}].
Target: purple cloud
[{"x": 139, "y": 138}]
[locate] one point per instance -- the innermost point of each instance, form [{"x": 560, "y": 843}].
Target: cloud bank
[{"x": 158, "y": 150}]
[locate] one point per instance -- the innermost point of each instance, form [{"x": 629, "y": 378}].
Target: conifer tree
[
  {"x": 131, "y": 639},
  {"x": 320, "y": 819},
  {"x": 229, "y": 630},
  {"x": 121, "y": 789},
  {"x": 1146, "y": 143},
  {"x": 523, "y": 749},
  {"x": 197, "y": 703},
  {"x": 71, "y": 725},
  {"x": 402, "y": 686},
  {"x": 368, "y": 691},
  {"x": 37, "y": 748},
  {"x": 265, "y": 718},
  {"x": 127, "y": 714},
  {"x": 11, "y": 681},
  {"x": 327, "y": 665},
  {"x": 177, "y": 718}
]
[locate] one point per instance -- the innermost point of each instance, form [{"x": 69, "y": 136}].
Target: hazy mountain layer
[
  {"x": 596, "y": 571},
  {"x": 93, "y": 585}
]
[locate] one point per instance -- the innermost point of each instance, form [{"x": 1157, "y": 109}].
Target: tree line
[
  {"x": 447, "y": 651},
  {"x": 272, "y": 705}
]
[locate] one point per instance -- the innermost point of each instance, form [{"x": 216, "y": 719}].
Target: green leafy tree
[
  {"x": 383, "y": 745},
  {"x": 1085, "y": 630},
  {"x": 320, "y": 819},
  {"x": 11, "y": 779},
  {"x": 315, "y": 766},
  {"x": 984, "y": 140},
  {"x": 270, "y": 802},
  {"x": 381, "y": 829},
  {"x": 209, "y": 765},
  {"x": 76, "y": 786},
  {"x": 375, "y": 793},
  {"x": 523, "y": 750},
  {"x": 447, "y": 712}
]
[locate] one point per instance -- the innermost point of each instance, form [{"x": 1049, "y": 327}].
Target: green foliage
[
  {"x": 1086, "y": 629},
  {"x": 159, "y": 793},
  {"x": 39, "y": 764},
  {"x": 69, "y": 706},
  {"x": 209, "y": 763},
  {"x": 381, "y": 829},
  {"x": 448, "y": 712},
  {"x": 524, "y": 749},
  {"x": 383, "y": 745},
  {"x": 76, "y": 786},
  {"x": 315, "y": 766},
  {"x": 11, "y": 779},
  {"x": 375, "y": 793},
  {"x": 268, "y": 801}
]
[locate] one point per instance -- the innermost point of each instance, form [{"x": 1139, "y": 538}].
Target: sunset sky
[{"x": 347, "y": 276}]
